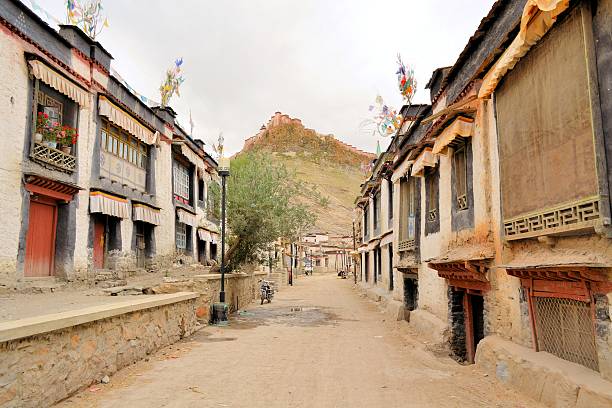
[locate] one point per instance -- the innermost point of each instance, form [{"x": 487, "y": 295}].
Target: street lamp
[{"x": 221, "y": 309}]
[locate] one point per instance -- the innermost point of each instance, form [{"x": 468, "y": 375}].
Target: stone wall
[
  {"x": 240, "y": 290},
  {"x": 42, "y": 369}
]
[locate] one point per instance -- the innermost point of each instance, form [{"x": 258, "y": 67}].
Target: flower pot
[
  {"x": 50, "y": 143},
  {"x": 38, "y": 137},
  {"x": 66, "y": 149}
]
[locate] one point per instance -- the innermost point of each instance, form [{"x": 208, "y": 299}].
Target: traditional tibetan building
[
  {"x": 104, "y": 199},
  {"x": 502, "y": 227}
]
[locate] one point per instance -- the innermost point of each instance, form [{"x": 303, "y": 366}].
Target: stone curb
[{"x": 17, "y": 329}]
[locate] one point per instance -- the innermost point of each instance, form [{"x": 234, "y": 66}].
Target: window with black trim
[
  {"x": 54, "y": 130},
  {"x": 376, "y": 209},
  {"x": 431, "y": 186},
  {"x": 390, "y": 202},
  {"x": 460, "y": 170},
  {"x": 412, "y": 208},
  {"x": 366, "y": 222},
  {"x": 201, "y": 193}
]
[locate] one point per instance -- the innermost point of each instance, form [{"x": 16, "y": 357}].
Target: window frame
[
  {"x": 121, "y": 144},
  {"x": 461, "y": 176},
  {"x": 432, "y": 196},
  {"x": 376, "y": 211},
  {"x": 180, "y": 236},
  {"x": 390, "y": 197},
  {"x": 181, "y": 181}
]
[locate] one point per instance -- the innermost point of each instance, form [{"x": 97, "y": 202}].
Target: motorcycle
[
  {"x": 266, "y": 291},
  {"x": 343, "y": 274}
]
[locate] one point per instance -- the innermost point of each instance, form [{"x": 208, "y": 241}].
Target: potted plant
[
  {"x": 66, "y": 136},
  {"x": 42, "y": 126}
]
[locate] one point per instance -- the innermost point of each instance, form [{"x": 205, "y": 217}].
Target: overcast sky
[{"x": 322, "y": 61}]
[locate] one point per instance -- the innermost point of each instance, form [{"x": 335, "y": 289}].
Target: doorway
[
  {"x": 107, "y": 237},
  {"x": 411, "y": 292},
  {"x": 202, "y": 252},
  {"x": 390, "y": 267},
  {"x": 467, "y": 323},
  {"x": 141, "y": 244},
  {"x": 213, "y": 251},
  {"x": 40, "y": 239}
]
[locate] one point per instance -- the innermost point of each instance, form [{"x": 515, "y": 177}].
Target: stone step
[{"x": 111, "y": 283}]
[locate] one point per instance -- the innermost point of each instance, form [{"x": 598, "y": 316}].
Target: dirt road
[{"x": 318, "y": 344}]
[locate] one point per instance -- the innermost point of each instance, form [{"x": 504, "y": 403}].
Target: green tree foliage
[
  {"x": 214, "y": 200},
  {"x": 261, "y": 206}
]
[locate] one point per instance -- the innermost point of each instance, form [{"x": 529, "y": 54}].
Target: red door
[
  {"x": 40, "y": 240},
  {"x": 98, "y": 244}
]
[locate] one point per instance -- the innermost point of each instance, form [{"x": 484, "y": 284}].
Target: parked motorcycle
[
  {"x": 343, "y": 274},
  {"x": 266, "y": 291}
]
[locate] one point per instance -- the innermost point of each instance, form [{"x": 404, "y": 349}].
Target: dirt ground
[{"x": 318, "y": 344}]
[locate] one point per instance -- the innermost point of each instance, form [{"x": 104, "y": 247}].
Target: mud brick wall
[{"x": 42, "y": 369}]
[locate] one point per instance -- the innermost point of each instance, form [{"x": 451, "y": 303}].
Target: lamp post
[
  {"x": 291, "y": 265},
  {"x": 354, "y": 260},
  {"x": 224, "y": 171}
]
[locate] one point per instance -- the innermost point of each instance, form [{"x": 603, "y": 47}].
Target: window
[
  {"x": 51, "y": 106},
  {"x": 52, "y": 110},
  {"x": 376, "y": 214},
  {"x": 201, "y": 192},
  {"x": 460, "y": 170},
  {"x": 432, "y": 196},
  {"x": 408, "y": 208},
  {"x": 123, "y": 145},
  {"x": 181, "y": 236},
  {"x": 412, "y": 204},
  {"x": 390, "y": 202},
  {"x": 366, "y": 225},
  {"x": 181, "y": 182}
]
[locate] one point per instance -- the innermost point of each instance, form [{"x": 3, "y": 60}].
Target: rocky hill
[{"x": 323, "y": 162}]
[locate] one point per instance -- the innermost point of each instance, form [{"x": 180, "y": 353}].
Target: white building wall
[{"x": 14, "y": 94}]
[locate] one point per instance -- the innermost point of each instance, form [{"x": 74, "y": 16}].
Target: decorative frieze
[
  {"x": 571, "y": 216},
  {"x": 407, "y": 245}
]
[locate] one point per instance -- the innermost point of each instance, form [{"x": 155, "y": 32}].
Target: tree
[{"x": 262, "y": 206}]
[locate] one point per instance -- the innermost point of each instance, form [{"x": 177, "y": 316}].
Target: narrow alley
[{"x": 318, "y": 344}]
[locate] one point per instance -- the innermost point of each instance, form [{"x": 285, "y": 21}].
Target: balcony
[{"x": 54, "y": 157}]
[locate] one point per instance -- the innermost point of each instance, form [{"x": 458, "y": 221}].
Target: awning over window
[
  {"x": 214, "y": 238},
  {"x": 402, "y": 171},
  {"x": 204, "y": 235},
  {"x": 425, "y": 159},
  {"x": 186, "y": 217},
  {"x": 461, "y": 127},
  {"x": 192, "y": 157},
  {"x": 108, "y": 204},
  {"x": 59, "y": 82},
  {"x": 538, "y": 17},
  {"x": 144, "y": 213},
  {"x": 125, "y": 121}
]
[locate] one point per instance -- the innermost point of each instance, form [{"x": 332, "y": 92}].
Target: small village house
[
  {"x": 502, "y": 231},
  {"x": 102, "y": 203}
]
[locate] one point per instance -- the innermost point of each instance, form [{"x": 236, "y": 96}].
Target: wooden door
[
  {"x": 98, "y": 244},
  {"x": 40, "y": 240},
  {"x": 140, "y": 244}
]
